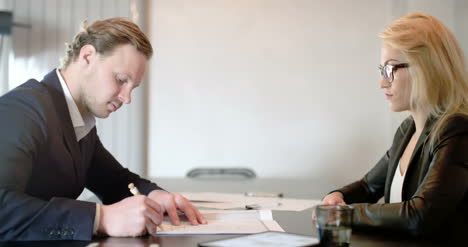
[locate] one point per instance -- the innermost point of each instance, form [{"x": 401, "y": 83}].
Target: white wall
[{"x": 289, "y": 88}]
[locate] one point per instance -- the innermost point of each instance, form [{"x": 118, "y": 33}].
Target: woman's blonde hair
[
  {"x": 105, "y": 36},
  {"x": 438, "y": 72}
]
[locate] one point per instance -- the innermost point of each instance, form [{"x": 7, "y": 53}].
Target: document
[
  {"x": 225, "y": 222},
  {"x": 240, "y": 201}
]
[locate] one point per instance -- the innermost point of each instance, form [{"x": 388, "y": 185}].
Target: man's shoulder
[
  {"x": 32, "y": 93},
  {"x": 30, "y": 101}
]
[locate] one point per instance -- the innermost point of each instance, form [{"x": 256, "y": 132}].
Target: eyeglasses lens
[
  {"x": 389, "y": 72},
  {"x": 386, "y": 72}
]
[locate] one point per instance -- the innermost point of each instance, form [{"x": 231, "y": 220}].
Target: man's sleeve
[
  {"x": 26, "y": 218},
  {"x": 23, "y": 217},
  {"x": 109, "y": 180}
]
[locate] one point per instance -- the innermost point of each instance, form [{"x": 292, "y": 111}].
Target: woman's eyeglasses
[{"x": 388, "y": 70}]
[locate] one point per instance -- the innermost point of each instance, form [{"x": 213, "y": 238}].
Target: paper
[
  {"x": 239, "y": 201},
  {"x": 225, "y": 222}
]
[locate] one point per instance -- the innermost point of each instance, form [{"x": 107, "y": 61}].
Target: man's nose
[{"x": 125, "y": 95}]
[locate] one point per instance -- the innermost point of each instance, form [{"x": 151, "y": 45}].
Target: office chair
[{"x": 221, "y": 173}]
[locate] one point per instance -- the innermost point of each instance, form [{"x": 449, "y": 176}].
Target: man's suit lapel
[{"x": 55, "y": 88}]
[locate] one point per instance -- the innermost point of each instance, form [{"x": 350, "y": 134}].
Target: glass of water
[{"x": 334, "y": 224}]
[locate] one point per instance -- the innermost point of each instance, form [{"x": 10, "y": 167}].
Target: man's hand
[
  {"x": 335, "y": 198},
  {"x": 133, "y": 216},
  {"x": 170, "y": 203}
]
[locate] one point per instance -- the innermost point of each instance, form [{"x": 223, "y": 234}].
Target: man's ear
[{"x": 87, "y": 54}]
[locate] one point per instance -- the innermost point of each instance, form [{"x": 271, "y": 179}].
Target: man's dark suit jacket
[
  {"x": 435, "y": 188},
  {"x": 43, "y": 169}
]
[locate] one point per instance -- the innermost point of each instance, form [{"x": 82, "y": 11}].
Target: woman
[{"x": 423, "y": 177}]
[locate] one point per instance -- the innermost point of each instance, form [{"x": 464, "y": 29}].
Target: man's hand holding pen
[
  {"x": 132, "y": 216},
  {"x": 139, "y": 214}
]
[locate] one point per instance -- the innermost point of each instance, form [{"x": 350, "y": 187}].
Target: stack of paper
[
  {"x": 238, "y": 221},
  {"x": 225, "y": 222}
]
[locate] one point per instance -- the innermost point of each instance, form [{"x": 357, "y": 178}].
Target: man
[{"x": 50, "y": 150}]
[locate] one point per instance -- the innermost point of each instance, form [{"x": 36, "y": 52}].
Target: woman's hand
[{"x": 335, "y": 198}]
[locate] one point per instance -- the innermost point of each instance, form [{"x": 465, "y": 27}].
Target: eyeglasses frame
[{"x": 394, "y": 67}]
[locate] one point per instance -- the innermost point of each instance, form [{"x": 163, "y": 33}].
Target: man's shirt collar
[{"x": 82, "y": 124}]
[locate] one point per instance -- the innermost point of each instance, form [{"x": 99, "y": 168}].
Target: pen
[
  {"x": 263, "y": 205},
  {"x": 134, "y": 190},
  {"x": 253, "y": 194}
]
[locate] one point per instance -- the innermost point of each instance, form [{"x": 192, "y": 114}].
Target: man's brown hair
[{"x": 105, "y": 36}]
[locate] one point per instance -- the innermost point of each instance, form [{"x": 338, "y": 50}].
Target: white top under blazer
[{"x": 397, "y": 185}]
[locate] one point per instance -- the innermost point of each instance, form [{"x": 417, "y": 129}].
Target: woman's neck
[{"x": 420, "y": 118}]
